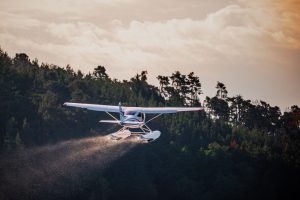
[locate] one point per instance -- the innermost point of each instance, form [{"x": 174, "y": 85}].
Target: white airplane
[{"x": 133, "y": 118}]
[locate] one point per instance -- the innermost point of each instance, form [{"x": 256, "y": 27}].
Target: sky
[{"x": 253, "y": 47}]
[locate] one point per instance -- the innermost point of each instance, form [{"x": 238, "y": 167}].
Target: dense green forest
[{"x": 236, "y": 148}]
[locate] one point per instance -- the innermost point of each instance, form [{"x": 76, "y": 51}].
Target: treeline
[{"x": 243, "y": 136}]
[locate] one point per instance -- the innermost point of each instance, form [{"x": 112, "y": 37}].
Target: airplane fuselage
[{"x": 132, "y": 121}]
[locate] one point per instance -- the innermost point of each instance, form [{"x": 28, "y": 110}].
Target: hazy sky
[{"x": 251, "y": 46}]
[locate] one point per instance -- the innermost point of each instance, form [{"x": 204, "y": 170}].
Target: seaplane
[{"x": 133, "y": 118}]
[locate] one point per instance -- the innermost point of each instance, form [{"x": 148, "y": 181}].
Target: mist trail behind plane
[{"x": 57, "y": 171}]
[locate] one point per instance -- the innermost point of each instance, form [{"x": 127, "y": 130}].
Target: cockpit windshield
[{"x": 130, "y": 112}]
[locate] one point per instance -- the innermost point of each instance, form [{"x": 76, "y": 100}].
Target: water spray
[{"x": 57, "y": 171}]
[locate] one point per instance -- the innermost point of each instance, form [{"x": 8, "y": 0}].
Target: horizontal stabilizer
[
  {"x": 132, "y": 123},
  {"x": 110, "y": 121}
]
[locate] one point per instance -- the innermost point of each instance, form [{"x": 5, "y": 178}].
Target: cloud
[
  {"x": 9, "y": 20},
  {"x": 246, "y": 37},
  {"x": 281, "y": 18},
  {"x": 229, "y": 32},
  {"x": 73, "y": 31}
]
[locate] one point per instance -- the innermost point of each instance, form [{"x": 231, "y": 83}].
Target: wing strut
[
  {"x": 112, "y": 116},
  {"x": 153, "y": 118}
]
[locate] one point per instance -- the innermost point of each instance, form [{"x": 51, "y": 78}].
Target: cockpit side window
[{"x": 139, "y": 114}]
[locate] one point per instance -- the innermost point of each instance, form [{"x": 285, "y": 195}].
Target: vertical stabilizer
[{"x": 121, "y": 112}]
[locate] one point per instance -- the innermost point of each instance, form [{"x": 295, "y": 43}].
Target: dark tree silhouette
[{"x": 236, "y": 148}]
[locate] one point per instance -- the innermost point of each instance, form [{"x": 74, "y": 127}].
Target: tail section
[{"x": 121, "y": 112}]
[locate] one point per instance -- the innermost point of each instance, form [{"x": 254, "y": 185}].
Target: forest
[{"x": 235, "y": 149}]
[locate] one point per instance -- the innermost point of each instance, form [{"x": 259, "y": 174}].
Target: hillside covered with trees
[{"x": 235, "y": 149}]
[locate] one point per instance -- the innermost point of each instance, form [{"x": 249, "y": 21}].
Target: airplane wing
[
  {"x": 147, "y": 110},
  {"x": 162, "y": 110},
  {"x": 95, "y": 107}
]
